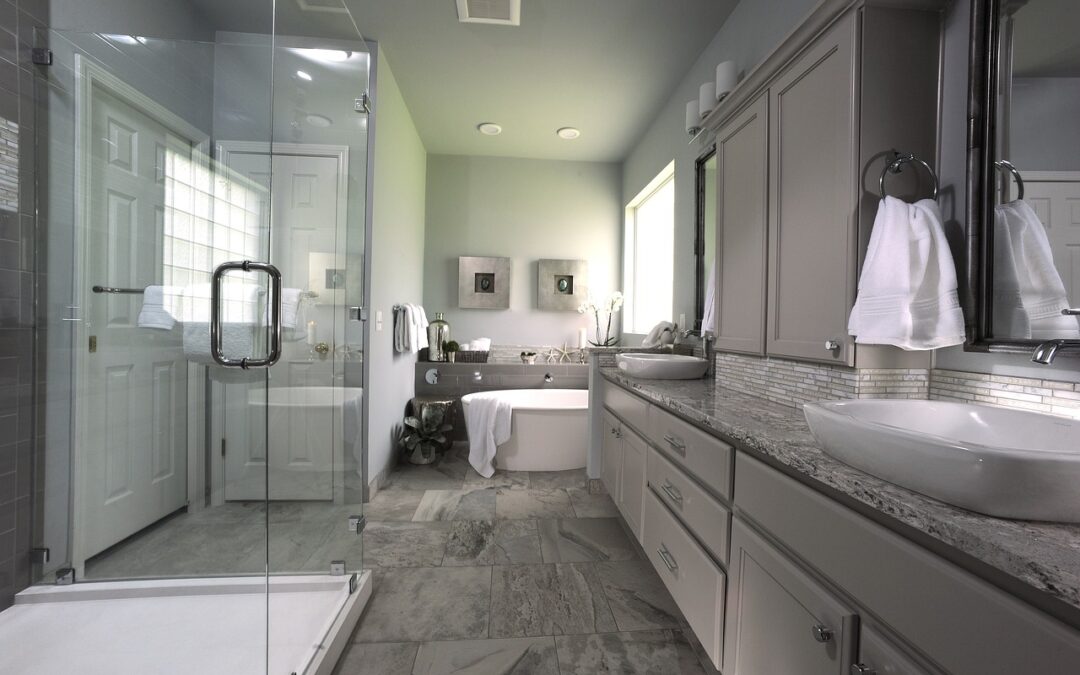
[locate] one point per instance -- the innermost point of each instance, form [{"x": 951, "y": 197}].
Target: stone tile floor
[
  {"x": 525, "y": 573},
  {"x": 520, "y": 573}
]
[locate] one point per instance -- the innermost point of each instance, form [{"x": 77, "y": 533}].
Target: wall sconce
[
  {"x": 693, "y": 118},
  {"x": 725, "y": 79}
]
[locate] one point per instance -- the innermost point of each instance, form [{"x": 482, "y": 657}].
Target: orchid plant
[{"x": 610, "y": 307}]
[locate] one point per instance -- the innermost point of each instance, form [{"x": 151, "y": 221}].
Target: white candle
[
  {"x": 725, "y": 78},
  {"x": 582, "y": 338},
  {"x": 311, "y": 332},
  {"x": 706, "y": 98},
  {"x": 693, "y": 119}
]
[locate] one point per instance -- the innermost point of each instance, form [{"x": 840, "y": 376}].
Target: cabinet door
[
  {"x": 812, "y": 220},
  {"x": 611, "y": 456},
  {"x": 742, "y": 161},
  {"x": 779, "y": 620},
  {"x": 632, "y": 480},
  {"x": 877, "y": 656}
]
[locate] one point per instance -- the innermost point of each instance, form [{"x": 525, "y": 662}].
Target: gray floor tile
[
  {"x": 532, "y": 503},
  {"x": 637, "y": 596},
  {"x": 513, "y": 480},
  {"x": 393, "y": 505},
  {"x": 471, "y": 504},
  {"x": 588, "y": 505},
  {"x": 508, "y": 656},
  {"x": 584, "y": 540},
  {"x": 427, "y": 603},
  {"x": 575, "y": 478},
  {"x": 446, "y": 474},
  {"x": 532, "y": 600},
  {"x": 378, "y": 658},
  {"x": 394, "y": 544},
  {"x": 659, "y": 652},
  {"x": 503, "y": 542}
]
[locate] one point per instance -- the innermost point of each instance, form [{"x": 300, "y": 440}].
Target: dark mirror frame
[
  {"x": 700, "y": 273},
  {"x": 977, "y": 298}
]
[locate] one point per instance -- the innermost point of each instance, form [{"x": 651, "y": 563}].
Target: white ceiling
[{"x": 603, "y": 66}]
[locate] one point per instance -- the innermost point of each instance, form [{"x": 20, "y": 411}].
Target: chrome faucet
[
  {"x": 548, "y": 378},
  {"x": 708, "y": 342},
  {"x": 1047, "y": 351}
]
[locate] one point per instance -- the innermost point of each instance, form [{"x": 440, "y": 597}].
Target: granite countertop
[{"x": 1043, "y": 556}]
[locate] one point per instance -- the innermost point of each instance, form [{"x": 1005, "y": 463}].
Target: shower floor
[{"x": 182, "y": 626}]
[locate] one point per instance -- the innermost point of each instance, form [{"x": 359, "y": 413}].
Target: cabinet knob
[
  {"x": 822, "y": 633},
  {"x": 862, "y": 669},
  {"x": 831, "y": 345}
]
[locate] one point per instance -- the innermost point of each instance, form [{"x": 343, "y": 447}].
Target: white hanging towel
[
  {"x": 153, "y": 313},
  {"x": 238, "y": 322},
  {"x": 420, "y": 321},
  {"x": 907, "y": 289},
  {"x": 708, "y": 321},
  {"x": 1028, "y": 291},
  {"x": 401, "y": 329},
  {"x": 487, "y": 420}
]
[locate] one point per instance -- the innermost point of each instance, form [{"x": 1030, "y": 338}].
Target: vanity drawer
[
  {"x": 703, "y": 515},
  {"x": 705, "y": 457},
  {"x": 630, "y": 408},
  {"x": 695, "y": 582}
]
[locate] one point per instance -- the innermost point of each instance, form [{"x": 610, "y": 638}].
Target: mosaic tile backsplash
[
  {"x": 794, "y": 383},
  {"x": 1049, "y": 396}
]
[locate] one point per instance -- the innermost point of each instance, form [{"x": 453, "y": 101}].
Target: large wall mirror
[
  {"x": 705, "y": 236},
  {"x": 1024, "y": 183}
]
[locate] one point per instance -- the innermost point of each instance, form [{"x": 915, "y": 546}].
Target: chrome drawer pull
[
  {"x": 822, "y": 633},
  {"x": 672, "y": 492},
  {"x": 1070, "y": 312},
  {"x": 676, "y": 445},
  {"x": 669, "y": 561}
]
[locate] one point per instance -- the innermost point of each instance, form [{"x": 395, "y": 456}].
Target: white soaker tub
[{"x": 548, "y": 429}]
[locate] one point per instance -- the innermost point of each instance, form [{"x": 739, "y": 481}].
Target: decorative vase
[
  {"x": 451, "y": 357},
  {"x": 438, "y": 333},
  {"x": 417, "y": 456}
]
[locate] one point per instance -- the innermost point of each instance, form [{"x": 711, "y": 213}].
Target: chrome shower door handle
[{"x": 216, "y": 335}]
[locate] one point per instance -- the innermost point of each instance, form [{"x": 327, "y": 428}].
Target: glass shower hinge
[
  {"x": 357, "y": 524},
  {"x": 337, "y": 568}
]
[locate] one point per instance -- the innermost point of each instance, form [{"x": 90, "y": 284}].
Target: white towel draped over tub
[
  {"x": 907, "y": 289},
  {"x": 488, "y": 420}
]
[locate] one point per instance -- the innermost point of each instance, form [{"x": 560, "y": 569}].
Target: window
[{"x": 649, "y": 254}]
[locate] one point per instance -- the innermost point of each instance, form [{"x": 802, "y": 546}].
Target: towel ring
[
  {"x": 894, "y": 167},
  {"x": 1004, "y": 165}
]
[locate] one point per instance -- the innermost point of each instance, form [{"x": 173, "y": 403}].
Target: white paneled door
[
  {"x": 134, "y": 391},
  {"x": 284, "y": 437},
  {"x": 1055, "y": 197}
]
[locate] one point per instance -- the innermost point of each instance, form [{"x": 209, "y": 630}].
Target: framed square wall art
[{"x": 483, "y": 283}]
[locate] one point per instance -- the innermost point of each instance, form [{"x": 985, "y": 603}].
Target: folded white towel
[
  {"x": 1028, "y": 291},
  {"x": 479, "y": 345},
  {"x": 238, "y": 321},
  {"x": 662, "y": 333},
  {"x": 153, "y": 313},
  {"x": 907, "y": 289},
  {"x": 487, "y": 420},
  {"x": 708, "y": 321}
]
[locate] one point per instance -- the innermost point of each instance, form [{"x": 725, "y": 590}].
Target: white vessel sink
[
  {"x": 997, "y": 461},
  {"x": 662, "y": 366}
]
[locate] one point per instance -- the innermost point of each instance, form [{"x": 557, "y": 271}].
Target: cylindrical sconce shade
[
  {"x": 725, "y": 78},
  {"x": 693, "y": 118},
  {"x": 706, "y": 98}
]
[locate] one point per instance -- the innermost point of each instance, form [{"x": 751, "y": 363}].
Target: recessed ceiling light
[
  {"x": 303, "y": 75},
  {"x": 319, "y": 120},
  {"x": 568, "y": 133},
  {"x": 489, "y": 129}
]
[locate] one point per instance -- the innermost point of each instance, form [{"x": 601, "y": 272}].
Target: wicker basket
[{"x": 471, "y": 357}]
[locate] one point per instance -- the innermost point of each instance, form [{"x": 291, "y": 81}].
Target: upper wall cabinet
[
  {"x": 800, "y": 147},
  {"x": 742, "y": 176}
]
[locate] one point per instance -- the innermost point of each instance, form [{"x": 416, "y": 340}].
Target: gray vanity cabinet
[
  {"x": 779, "y": 620},
  {"x": 742, "y": 175},
  {"x": 632, "y": 480},
  {"x": 812, "y": 226},
  {"x": 611, "y": 456}
]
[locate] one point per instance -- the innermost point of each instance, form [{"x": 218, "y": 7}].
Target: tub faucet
[
  {"x": 477, "y": 376},
  {"x": 548, "y": 378},
  {"x": 1047, "y": 351}
]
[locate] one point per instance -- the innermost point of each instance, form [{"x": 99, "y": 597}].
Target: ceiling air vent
[{"x": 500, "y": 12}]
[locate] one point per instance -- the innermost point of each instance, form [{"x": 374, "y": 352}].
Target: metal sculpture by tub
[{"x": 609, "y": 308}]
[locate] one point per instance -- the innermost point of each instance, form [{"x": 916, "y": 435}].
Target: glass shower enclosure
[{"x": 202, "y": 349}]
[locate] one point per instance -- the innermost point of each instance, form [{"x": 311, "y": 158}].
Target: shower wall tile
[{"x": 21, "y": 23}]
